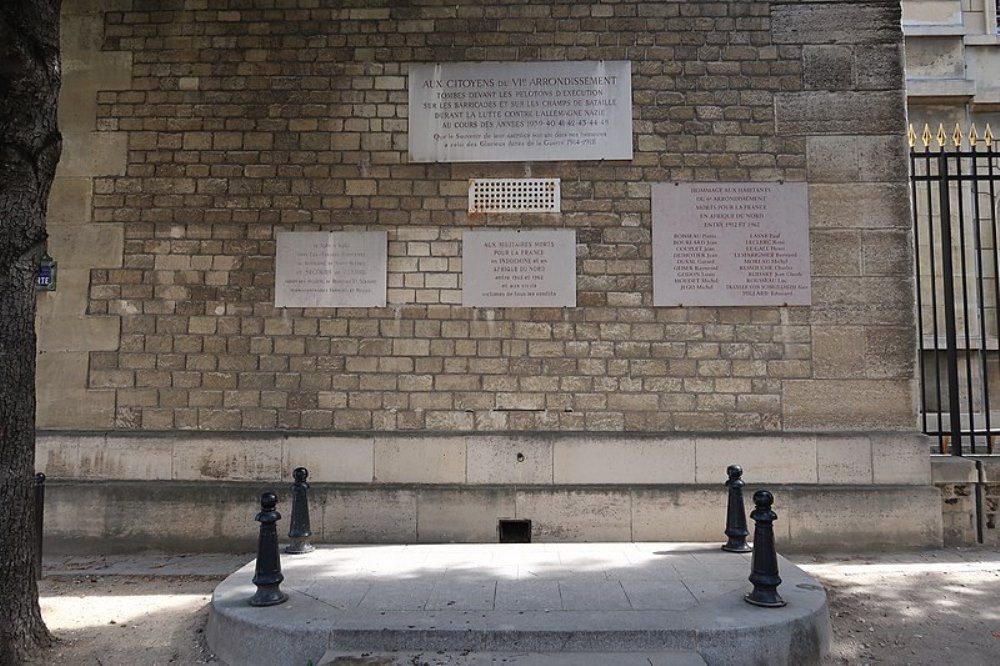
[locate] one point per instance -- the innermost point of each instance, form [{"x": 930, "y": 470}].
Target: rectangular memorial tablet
[
  {"x": 520, "y": 111},
  {"x": 519, "y": 268},
  {"x": 330, "y": 269},
  {"x": 731, "y": 244}
]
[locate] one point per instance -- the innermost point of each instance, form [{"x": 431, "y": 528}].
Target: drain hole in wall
[{"x": 514, "y": 531}]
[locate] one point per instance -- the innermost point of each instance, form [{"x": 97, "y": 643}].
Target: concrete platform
[{"x": 518, "y": 603}]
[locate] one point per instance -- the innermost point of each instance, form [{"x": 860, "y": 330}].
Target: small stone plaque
[
  {"x": 339, "y": 269},
  {"x": 731, "y": 244},
  {"x": 521, "y": 269}
]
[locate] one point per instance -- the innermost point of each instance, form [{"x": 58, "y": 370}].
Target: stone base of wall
[
  {"x": 201, "y": 491},
  {"x": 970, "y": 494},
  {"x": 124, "y": 516},
  {"x": 557, "y": 459}
]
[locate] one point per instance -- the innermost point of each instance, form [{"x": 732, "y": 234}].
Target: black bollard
[
  {"x": 39, "y": 521},
  {"x": 764, "y": 563},
  {"x": 299, "y": 531},
  {"x": 267, "y": 573},
  {"x": 736, "y": 515}
]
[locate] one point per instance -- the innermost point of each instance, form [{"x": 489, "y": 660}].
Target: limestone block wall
[
  {"x": 242, "y": 119},
  {"x": 198, "y": 129},
  {"x": 970, "y": 494},
  {"x": 832, "y": 491},
  {"x": 67, "y": 330}
]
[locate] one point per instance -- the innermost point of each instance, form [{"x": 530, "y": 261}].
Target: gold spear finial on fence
[{"x": 957, "y": 138}]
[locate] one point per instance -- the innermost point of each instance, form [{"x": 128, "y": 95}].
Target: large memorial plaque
[
  {"x": 330, "y": 269},
  {"x": 508, "y": 111},
  {"x": 731, "y": 244},
  {"x": 519, "y": 269}
]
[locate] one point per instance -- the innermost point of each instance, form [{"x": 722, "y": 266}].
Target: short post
[
  {"x": 736, "y": 515},
  {"x": 267, "y": 572},
  {"x": 764, "y": 563},
  {"x": 39, "y": 521},
  {"x": 299, "y": 531}
]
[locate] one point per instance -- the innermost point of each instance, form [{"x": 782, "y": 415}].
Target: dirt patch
[
  {"x": 924, "y": 609},
  {"x": 126, "y": 620}
]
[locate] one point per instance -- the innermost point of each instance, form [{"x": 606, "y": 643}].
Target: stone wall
[
  {"x": 245, "y": 118},
  {"x": 198, "y": 129},
  {"x": 970, "y": 495}
]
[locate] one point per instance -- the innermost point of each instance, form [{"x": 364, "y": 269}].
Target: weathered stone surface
[
  {"x": 849, "y": 404},
  {"x": 828, "y": 67},
  {"x": 367, "y": 515},
  {"x": 666, "y": 514},
  {"x": 340, "y": 459},
  {"x": 901, "y": 459},
  {"x": 839, "y": 352},
  {"x": 70, "y": 202},
  {"x": 86, "y": 247},
  {"x": 789, "y": 459},
  {"x": 575, "y": 515},
  {"x": 835, "y": 252},
  {"x": 462, "y": 515},
  {"x": 226, "y": 460},
  {"x": 873, "y": 518},
  {"x": 412, "y": 460},
  {"x": 75, "y": 408},
  {"x": 518, "y": 460},
  {"x": 126, "y": 458},
  {"x": 809, "y": 517},
  {"x": 836, "y": 23},
  {"x": 844, "y": 460},
  {"x": 625, "y": 461},
  {"x": 844, "y": 112}
]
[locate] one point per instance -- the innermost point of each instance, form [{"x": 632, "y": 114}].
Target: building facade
[
  {"x": 952, "y": 62},
  {"x": 170, "y": 384}
]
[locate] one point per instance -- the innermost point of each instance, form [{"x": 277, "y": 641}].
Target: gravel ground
[{"x": 918, "y": 608}]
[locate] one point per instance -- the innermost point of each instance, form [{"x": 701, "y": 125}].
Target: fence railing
[{"x": 955, "y": 187}]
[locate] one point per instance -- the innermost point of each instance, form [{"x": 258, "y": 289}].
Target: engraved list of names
[{"x": 731, "y": 244}]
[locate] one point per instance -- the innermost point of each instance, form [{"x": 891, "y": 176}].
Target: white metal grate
[{"x": 514, "y": 195}]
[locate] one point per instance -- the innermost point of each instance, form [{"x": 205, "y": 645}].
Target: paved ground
[
  {"x": 928, "y": 608},
  {"x": 519, "y": 599}
]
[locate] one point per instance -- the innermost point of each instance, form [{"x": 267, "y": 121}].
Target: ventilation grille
[{"x": 514, "y": 195}]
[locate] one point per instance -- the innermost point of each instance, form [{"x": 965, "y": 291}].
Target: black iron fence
[{"x": 955, "y": 186}]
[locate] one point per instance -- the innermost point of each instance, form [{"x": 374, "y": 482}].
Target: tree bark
[{"x": 30, "y": 145}]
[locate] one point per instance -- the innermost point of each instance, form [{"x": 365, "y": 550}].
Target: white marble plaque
[
  {"x": 524, "y": 269},
  {"x": 330, "y": 269},
  {"x": 513, "y": 111},
  {"x": 731, "y": 244}
]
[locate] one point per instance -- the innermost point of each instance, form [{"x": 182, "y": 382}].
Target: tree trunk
[{"x": 29, "y": 150}]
